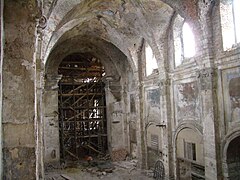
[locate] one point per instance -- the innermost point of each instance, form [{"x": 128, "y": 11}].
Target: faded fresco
[
  {"x": 153, "y": 97},
  {"x": 231, "y": 92},
  {"x": 153, "y": 105},
  {"x": 234, "y": 95},
  {"x": 187, "y": 101}
]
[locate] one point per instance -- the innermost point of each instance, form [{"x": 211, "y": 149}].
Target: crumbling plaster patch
[
  {"x": 18, "y": 89},
  {"x": 112, "y": 25}
]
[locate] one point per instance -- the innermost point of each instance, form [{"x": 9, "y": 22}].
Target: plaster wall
[{"x": 18, "y": 90}]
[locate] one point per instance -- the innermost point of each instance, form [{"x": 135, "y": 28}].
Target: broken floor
[{"x": 124, "y": 170}]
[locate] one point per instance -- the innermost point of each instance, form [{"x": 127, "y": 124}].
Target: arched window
[
  {"x": 184, "y": 41},
  {"x": 230, "y": 22},
  {"x": 151, "y": 62},
  {"x": 188, "y": 41},
  {"x": 236, "y": 14}
]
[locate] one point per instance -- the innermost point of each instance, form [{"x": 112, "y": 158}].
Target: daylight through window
[{"x": 151, "y": 62}]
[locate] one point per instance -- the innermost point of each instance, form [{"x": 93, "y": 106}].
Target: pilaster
[
  {"x": 166, "y": 125},
  {"x": 205, "y": 77},
  {"x": 51, "y": 121}
]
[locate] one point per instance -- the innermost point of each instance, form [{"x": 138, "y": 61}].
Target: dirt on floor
[{"x": 106, "y": 170}]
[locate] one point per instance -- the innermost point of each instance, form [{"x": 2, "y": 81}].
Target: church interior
[{"x": 156, "y": 82}]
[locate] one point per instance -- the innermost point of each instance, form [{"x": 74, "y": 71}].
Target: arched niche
[
  {"x": 154, "y": 144},
  {"x": 233, "y": 159},
  {"x": 189, "y": 154},
  {"x": 230, "y": 150},
  {"x": 117, "y": 75}
]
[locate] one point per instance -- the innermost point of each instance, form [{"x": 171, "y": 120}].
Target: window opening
[
  {"x": 151, "y": 62},
  {"x": 82, "y": 108},
  {"x": 236, "y": 19},
  {"x": 184, "y": 41},
  {"x": 188, "y": 41},
  {"x": 230, "y": 18},
  {"x": 190, "y": 151},
  {"x": 154, "y": 142}
]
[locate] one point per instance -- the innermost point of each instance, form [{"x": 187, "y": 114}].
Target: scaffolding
[{"x": 82, "y": 108}]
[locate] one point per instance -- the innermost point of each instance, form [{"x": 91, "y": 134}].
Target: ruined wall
[
  {"x": 205, "y": 90},
  {"x": 187, "y": 100},
  {"x": 18, "y": 90},
  {"x": 201, "y": 94},
  {"x": 152, "y": 116},
  {"x": 227, "y": 62},
  {"x": 228, "y": 69},
  {"x": 192, "y": 94}
]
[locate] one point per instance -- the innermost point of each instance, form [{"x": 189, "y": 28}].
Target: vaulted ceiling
[{"x": 106, "y": 28}]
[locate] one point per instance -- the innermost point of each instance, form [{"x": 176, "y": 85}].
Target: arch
[
  {"x": 193, "y": 131},
  {"x": 189, "y": 151},
  {"x": 188, "y": 41},
  {"x": 66, "y": 23},
  {"x": 183, "y": 40},
  {"x": 154, "y": 143},
  {"x": 227, "y": 140},
  {"x": 188, "y": 124},
  {"x": 85, "y": 44},
  {"x": 150, "y": 60},
  {"x": 177, "y": 40},
  {"x": 117, "y": 69},
  {"x": 58, "y": 37},
  {"x": 233, "y": 159}
]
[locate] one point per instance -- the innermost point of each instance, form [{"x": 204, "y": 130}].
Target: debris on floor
[{"x": 107, "y": 170}]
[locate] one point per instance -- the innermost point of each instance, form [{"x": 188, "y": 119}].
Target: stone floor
[{"x": 124, "y": 170}]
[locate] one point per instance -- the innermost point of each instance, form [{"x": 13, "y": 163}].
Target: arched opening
[
  {"x": 154, "y": 144},
  {"x": 96, "y": 127},
  {"x": 151, "y": 62},
  {"x": 82, "y": 108},
  {"x": 184, "y": 41},
  {"x": 233, "y": 158},
  {"x": 190, "y": 155},
  {"x": 188, "y": 41},
  {"x": 230, "y": 16}
]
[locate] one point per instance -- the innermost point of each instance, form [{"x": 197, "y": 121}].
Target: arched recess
[
  {"x": 154, "y": 144},
  {"x": 118, "y": 74},
  {"x": 231, "y": 152},
  {"x": 189, "y": 153}
]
